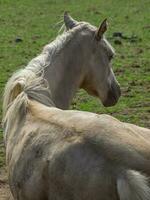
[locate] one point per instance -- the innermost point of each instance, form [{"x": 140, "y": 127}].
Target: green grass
[{"x": 35, "y": 23}]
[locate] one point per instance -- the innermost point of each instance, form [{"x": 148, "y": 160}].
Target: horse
[{"x": 57, "y": 154}]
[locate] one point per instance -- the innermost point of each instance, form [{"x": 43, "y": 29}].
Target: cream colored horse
[{"x": 53, "y": 154}]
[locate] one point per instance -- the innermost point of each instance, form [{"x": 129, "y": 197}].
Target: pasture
[{"x": 26, "y": 26}]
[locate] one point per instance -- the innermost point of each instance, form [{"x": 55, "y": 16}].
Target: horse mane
[
  {"x": 31, "y": 73},
  {"x": 30, "y": 83},
  {"x": 21, "y": 87},
  {"x": 29, "y": 77}
]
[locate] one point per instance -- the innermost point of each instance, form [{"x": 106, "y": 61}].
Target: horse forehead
[{"x": 85, "y": 26}]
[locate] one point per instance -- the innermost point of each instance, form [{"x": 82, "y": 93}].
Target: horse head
[{"x": 98, "y": 76}]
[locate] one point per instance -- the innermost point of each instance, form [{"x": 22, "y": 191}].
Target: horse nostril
[{"x": 116, "y": 90}]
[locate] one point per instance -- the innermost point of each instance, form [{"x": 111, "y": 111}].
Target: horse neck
[{"x": 65, "y": 75}]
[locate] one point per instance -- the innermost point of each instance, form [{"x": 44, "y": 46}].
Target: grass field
[{"x": 27, "y": 25}]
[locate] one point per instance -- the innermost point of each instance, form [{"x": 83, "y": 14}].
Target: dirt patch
[{"x": 4, "y": 188}]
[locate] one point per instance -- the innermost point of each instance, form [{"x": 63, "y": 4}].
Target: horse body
[
  {"x": 68, "y": 155},
  {"x": 75, "y": 155}
]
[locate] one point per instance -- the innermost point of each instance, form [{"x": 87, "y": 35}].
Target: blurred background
[{"x": 27, "y": 25}]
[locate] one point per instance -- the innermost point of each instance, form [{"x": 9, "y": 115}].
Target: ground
[{"x": 26, "y": 26}]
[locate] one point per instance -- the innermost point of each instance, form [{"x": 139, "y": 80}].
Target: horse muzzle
[{"x": 112, "y": 96}]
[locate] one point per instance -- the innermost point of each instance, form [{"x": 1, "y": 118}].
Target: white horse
[{"x": 53, "y": 154}]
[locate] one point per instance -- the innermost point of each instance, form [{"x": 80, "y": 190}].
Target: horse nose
[
  {"x": 116, "y": 91},
  {"x": 112, "y": 96}
]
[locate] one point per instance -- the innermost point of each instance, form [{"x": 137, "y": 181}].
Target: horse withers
[{"x": 55, "y": 154}]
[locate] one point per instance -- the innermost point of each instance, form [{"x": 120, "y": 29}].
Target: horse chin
[{"x": 110, "y": 101}]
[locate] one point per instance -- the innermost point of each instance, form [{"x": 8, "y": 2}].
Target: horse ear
[
  {"x": 69, "y": 21},
  {"x": 101, "y": 30}
]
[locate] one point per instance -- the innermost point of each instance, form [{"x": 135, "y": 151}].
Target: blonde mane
[{"x": 30, "y": 83}]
